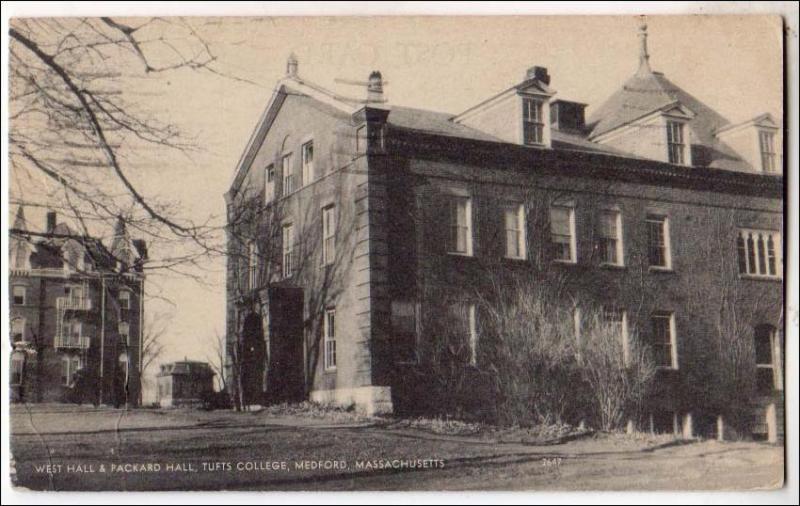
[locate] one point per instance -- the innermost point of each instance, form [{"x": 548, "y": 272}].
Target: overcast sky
[{"x": 732, "y": 63}]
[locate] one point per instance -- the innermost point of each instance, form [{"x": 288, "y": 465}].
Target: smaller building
[{"x": 184, "y": 384}]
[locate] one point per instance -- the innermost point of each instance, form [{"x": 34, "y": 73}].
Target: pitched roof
[
  {"x": 646, "y": 92},
  {"x": 439, "y": 123}
]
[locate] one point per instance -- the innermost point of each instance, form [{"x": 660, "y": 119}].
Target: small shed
[{"x": 184, "y": 384}]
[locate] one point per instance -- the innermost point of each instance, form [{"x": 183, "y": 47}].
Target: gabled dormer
[
  {"x": 757, "y": 142},
  {"x": 519, "y": 115}
]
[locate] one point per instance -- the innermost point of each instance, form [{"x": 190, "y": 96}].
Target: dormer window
[
  {"x": 766, "y": 145},
  {"x": 676, "y": 146},
  {"x": 532, "y": 121}
]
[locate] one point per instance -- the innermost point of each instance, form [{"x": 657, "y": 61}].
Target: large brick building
[
  {"x": 350, "y": 224},
  {"x": 76, "y": 314}
]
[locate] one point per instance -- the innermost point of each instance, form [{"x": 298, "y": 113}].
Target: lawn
[{"x": 105, "y": 449}]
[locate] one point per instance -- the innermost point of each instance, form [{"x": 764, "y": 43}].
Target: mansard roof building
[
  {"x": 76, "y": 314},
  {"x": 355, "y": 226}
]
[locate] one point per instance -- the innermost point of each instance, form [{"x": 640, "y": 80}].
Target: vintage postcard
[{"x": 397, "y": 253}]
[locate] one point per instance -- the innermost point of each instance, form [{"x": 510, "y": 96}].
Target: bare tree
[
  {"x": 217, "y": 359},
  {"x": 80, "y": 126}
]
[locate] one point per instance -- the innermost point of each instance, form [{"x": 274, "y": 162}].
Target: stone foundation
[{"x": 370, "y": 400}]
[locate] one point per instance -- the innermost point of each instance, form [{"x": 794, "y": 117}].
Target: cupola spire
[{"x": 644, "y": 56}]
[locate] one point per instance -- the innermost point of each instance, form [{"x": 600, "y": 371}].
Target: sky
[{"x": 732, "y": 63}]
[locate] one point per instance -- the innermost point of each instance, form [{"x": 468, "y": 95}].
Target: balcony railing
[
  {"x": 72, "y": 341},
  {"x": 74, "y": 303}
]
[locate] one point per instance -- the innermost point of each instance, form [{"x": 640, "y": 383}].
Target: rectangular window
[
  {"x": 329, "y": 329},
  {"x": 473, "y": 335},
  {"x": 562, "y": 233},
  {"x": 288, "y": 176},
  {"x": 252, "y": 265},
  {"x": 514, "y": 219},
  {"x": 19, "y": 295},
  {"x": 328, "y": 235},
  {"x": 17, "y": 363},
  {"x": 658, "y": 247},
  {"x": 766, "y": 143},
  {"x": 759, "y": 253},
  {"x": 125, "y": 333},
  {"x": 765, "y": 365},
  {"x": 361, "y": 139},
  {"x": 532, "y": 121},
  {"x": 616, "y": 321},
  {"x": 675, "y": 143},
  {"x": 664, "y": 350},
  {"x": 288, "y": 250},
  {"x": 124, "y": 299},
  {"x": 610, "y": 238},
  {"x": 269, "y": 183},
  {"x": 308, "y": 162},
  {"x": 461, "y": 225},
  {"x": 17, "y": 330},
  {"x": 69, "y": 366}
]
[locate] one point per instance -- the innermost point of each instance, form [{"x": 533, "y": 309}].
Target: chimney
[
  {"x": 375, "y": 88},
  {"x": 291, "y": 65},
  {"x": 538, "y": 73},
  {"x": 50, "y": 226}
]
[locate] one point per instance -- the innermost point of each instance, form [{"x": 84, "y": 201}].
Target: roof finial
[
  {"x": 291, "y": 65},
  {"x": 644, "y": 56}
]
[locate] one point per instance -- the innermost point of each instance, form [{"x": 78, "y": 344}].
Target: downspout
[
  {"x": 141, "y": 337},
  {"x": 102, "y": 331}
]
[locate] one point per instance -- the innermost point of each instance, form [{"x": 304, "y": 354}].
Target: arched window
[{"x": 764, "y": 343}]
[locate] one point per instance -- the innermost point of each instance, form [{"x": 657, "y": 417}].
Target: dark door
[
  {"x": 252, "y": 359},
  {"x": 286, "y": 378}
]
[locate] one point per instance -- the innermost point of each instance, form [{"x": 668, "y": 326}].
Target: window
[
  {"x": 17, "y": 330},
  {"x": 269, "y": 183},
  {"x": 465, "y": 325},
  {"x": 675, "y": 143},
  {"x": 765, "y": 364},
  {"x": 19, "y": 295},
  {"x": 610, "y": 238},
  {"x": 123, "y": 366},
  {"x": 329, "y": 329},
  {"x": 473, "y": 334},
  {"x": 252, "y": 265},
  {"x": 514, "y": 219},
  {"x": 766, "y": 144},
  {"x": 308, "y": 162},
  {"x": 759, "y": 253},
  {"x": 576, "y": 324},
  {"x": 404, "y": 329},
  {"x": 658, "y": 247},
  {"x": 125, "y": 333},
  {"x": 288, "y": 177},
  {"x": 664, "y": 349},
  {"x": 532, "y": 121},
  {"x": 75, "y": 331},
  {"x": 288, "y": 250},
  {"x": 328, "y": 235},
  {"x": 616, "y": 322},
  {"x": 69, "y": 366},
  {"x": 124, "y": 299},
  {"x": 461, "y": 225},
  {"x": 361, "y": 139},
  {"x": 17, "y": 365},
  {"x": 562, "y": 233}
]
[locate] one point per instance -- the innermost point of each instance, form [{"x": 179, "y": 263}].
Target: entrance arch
[{"x": 252, "y": 352}]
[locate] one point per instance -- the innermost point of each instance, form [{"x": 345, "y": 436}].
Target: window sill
[
  {"x": 666, "y": 368},
  {"x": 457, "y": 254},
  {"x": 558, "y": 261},
  {"x": 329, "y": 370},
  {"x": 662, "y": 270},
  {"x": 613, "y": 267},
  {"x": 515, "y": 259},
  {"x": 756, "y": 277}
]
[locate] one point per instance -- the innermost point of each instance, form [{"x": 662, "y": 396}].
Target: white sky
[{"x": 732, "y": 63}]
